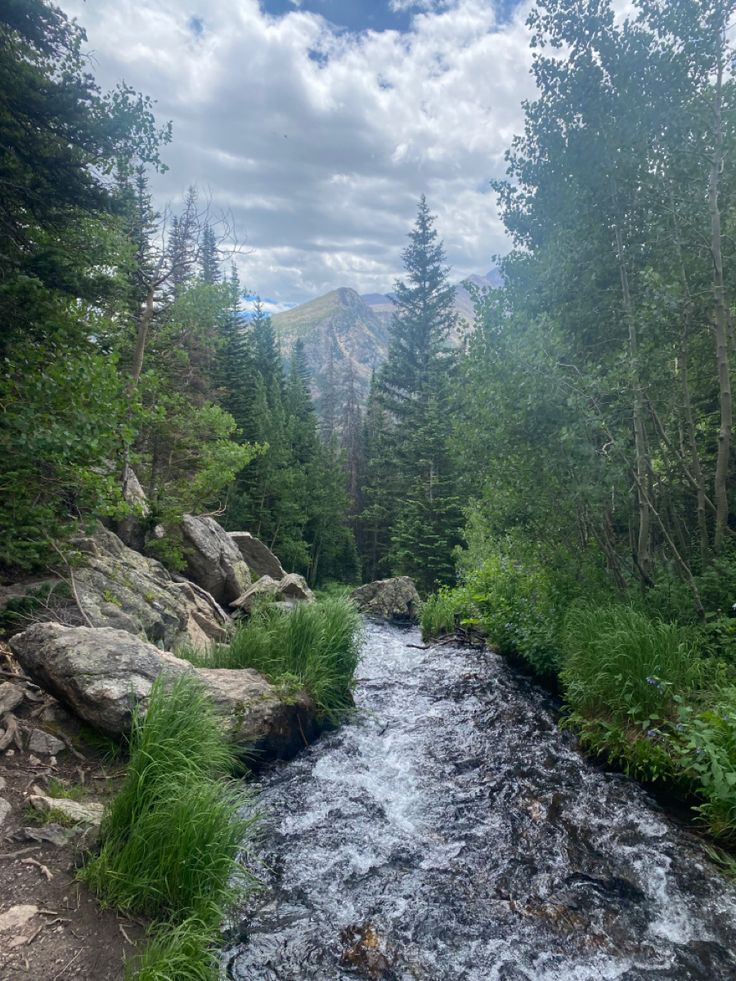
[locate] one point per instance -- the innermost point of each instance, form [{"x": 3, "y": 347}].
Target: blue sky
[{"x": 315, "y": 126}]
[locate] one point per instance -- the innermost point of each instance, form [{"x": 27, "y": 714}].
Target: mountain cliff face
[{"x": 346, "y": 337}]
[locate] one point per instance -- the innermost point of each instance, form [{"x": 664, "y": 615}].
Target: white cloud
[{"x": 320, "y": 142}]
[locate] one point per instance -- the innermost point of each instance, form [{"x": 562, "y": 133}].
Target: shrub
[
  {"x": 518, "y": 610},
  {"x": 315, "y": 644},
  {"x": 709, "y": 756}
]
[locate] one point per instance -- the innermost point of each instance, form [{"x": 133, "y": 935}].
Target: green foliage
[
  {"x": 66, "y": 791},
  {"x": 624, "y": 666},
  {"x": 518, "y": 610},
  {"x": 316, "y": 644},
  {"x": 708, "y": 755},
  {"x": 65, "y": 425},
  {"x": 440, "y": 612},
  {"x": 411, "y": 515},
  {"x": 171, "y": 837}
]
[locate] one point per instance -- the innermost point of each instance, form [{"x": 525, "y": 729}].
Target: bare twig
[
  {"x": 39, "y": 865},
  {"x": 72, "y": 584},
  {"x": 68, "y": 964}
]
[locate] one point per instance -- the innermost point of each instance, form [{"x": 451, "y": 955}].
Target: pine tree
[
  {"x": 411, "y": 516},
  {"x": 265, "y": 347},
  {"x": 209, "y": 260}
]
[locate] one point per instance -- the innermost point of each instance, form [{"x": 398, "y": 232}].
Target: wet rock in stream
[{"x": 452, "y": 833}]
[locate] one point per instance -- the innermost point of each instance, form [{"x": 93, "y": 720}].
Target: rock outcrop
[
  {"x": 213, "y": 559},
  {"x": 120, "y": 588},
  {"x": 391, "y": 599},
  {"x": 258, "y": 557},
  {"x": 291, "y": 588},
  {"x": 102, "y": 674}
]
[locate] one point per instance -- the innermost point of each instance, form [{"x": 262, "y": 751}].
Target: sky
[{"x": 315, "y": 125}]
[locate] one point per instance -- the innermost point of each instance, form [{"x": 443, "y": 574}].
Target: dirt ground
[{"x": 51, "y": 927}]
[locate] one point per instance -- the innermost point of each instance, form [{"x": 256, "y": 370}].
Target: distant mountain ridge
[{"x": 346, "y": 335}]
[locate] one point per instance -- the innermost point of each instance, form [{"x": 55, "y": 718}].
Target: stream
[{"x": 451, "y": 832}]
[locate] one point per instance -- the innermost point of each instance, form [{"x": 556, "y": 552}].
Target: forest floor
[{"x": 51, "y": 926}]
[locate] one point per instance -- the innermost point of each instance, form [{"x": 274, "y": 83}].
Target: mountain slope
[{"x": 346, "y": 336}]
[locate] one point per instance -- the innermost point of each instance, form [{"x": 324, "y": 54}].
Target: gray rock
[
  {"x": 120, "y": 588},
  {"x": 11, "y": 696},
  {"x": 263, "y": 587},
  {"x": 131, "y": 529},
  {"x": 390, "y": 599},
  {"x": 102, "y": 674},
  {"x": 258, "y": 557},
  {"x": 294, "y": 586},
  {"x": 81, "y": 813},
  {"x": 43, "y": 742},
  {"x": 5, "y": 810},
  {"x": 213, "y": 559},
  {"x": 46, "y": 834},
  {"x": 290, "y": 589}
]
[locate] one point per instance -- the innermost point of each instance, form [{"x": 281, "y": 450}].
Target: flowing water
[{"x": 452, "y": 832}]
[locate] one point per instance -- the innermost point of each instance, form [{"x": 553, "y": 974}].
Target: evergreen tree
[{"x": 414, "y": 493}]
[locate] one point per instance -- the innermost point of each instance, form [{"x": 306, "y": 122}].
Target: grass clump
[
  {"x": 179, "y": 952},
  {"x": 625, "y": 675},
  {"x": 621, "y": 664},
  {"x": 65, "y": 791},
  {"x": 315, "y": 646},
  {"x": 171, "y": 837},
  {"x": 440, "y": 613}
]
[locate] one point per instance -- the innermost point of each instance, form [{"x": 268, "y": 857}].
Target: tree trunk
[
  {"x": 721, "y": 320},
  {"x": 144, "y": 325},
  {"x": 642, "y": 463}
]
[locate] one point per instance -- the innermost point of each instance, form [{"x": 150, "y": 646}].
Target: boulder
[
  {"x": 390, "y": 599},
  {"x": 258, "y": 557},
  {"x": 103, "y": 674},
  {"x": 81, "y": 813},
  {"x": 294, "y": 587},
  {"x": 290, "y": 589},
  {"x": 263, "y": 587},
  {"x": 120, "y": 588},
  {"x": 213, "y": 559}
]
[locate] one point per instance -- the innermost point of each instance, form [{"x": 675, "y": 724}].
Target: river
[{"x": 451, "y": 832}]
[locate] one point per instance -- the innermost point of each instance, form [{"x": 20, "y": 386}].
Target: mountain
[{"x": 346, "y": 336}]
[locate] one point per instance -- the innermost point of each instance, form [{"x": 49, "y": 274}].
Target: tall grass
[
  {"x": 439, "y": 612},
  {"x": 621, "y": 665},
  {"x": 316, "y": 645},
  {"x": 171, "y": 838}
]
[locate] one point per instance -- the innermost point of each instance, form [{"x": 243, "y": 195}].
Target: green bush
[
  {"x": 171, "y": 837},
  {"x": 518, "y": 610},
  {"x": 709, "y": 756},
  {"x": 315, "y": 645}
]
